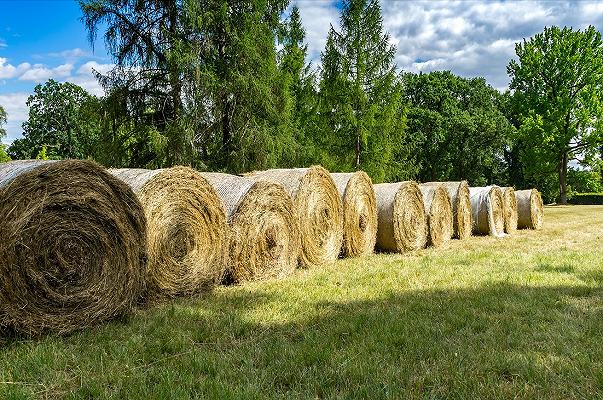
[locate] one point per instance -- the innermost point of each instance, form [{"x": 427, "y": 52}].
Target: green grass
[{"x": 519, "y": 317}]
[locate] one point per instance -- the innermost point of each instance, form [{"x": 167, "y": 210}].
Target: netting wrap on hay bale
[
  {"x": 438, "y": 208},
  {"x": 187, "y": 229},
  {"x": 72, "y": 246},
  {"x": 402, "y": 223},
  {"x": 530, "y": 210},
  {"x": 509, "y": 209},
  {"x": 461, "y": 206},
  {"x": 318, "y": 207},
  {"x": 487, "y": 210},
  {"x": 264, "y": 233},
  {"x": 359, "y": 212}
]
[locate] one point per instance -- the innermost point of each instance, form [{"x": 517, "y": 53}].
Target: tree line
[{"x": 226, "y": 85}]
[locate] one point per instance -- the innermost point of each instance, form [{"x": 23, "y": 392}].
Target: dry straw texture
[
  {"x": 319, "y": 210},
  {"x": 509, "y": 209},
  {"x": 72, "y": 246},
  {"x": 487, "y": 210},
  {"x": 461, "y": 206},
  {"x": 264, "y": 239},
  {"x": 187, "y": 229},
  {"x": 359, "y": 212},
  {"x": 402, "y": 223},
  {"x": 439, "y": 214},
  {"x": 530, "y": 210}
]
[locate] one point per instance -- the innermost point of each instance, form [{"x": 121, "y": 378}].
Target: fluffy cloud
[
  {"x": 468, "y": 38},
  {"x": 40, "y": 73},
  {"x": 8, "y": 71},
  {"x": 15, "y": 106}
]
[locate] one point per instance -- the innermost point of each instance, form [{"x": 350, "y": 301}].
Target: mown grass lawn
[{"x": 483, "y": 318}]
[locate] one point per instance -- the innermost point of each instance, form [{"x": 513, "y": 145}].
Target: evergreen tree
[{"x": 361, "y": 101}]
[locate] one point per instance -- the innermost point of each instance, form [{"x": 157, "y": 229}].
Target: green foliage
[
  {"x": 63, "y": 119},
  {"x": 361, "y": 114},
  {"x": 457, "y": 127},
  {"x": 42, "y": 155},
  {"x": 3, "y": 118},
  {"x": 584, "y": 181},
  {"x": 556, "y": 81}
]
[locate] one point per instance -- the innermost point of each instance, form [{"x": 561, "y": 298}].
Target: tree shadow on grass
[{"x": 496, "y": 341}]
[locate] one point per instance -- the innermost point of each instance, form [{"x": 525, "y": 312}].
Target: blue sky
[{"x": 43, "y": 39}]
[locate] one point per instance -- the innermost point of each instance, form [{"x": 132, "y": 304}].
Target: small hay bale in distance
[
  {"x": 318, "y": 207},
  {"x": 187, "y": 229},
  {"x": 438, "y": 208},
  {"x": 461, "y": 206},
  {"x": 402, "y": 223},
  {"x": 359, "y": 212},
  {"x": 530, "y": 210},
  {"x": 487, "y": 210},
  {"x": 72, "y": 246},
  {"x": 509, "y": 209},
  {"x": 264, "y": 232}
]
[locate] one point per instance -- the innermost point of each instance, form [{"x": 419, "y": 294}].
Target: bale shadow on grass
[{"x": 497, "y": 341}]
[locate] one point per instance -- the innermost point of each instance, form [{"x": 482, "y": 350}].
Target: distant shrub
[{"x": 586, "y": 198}]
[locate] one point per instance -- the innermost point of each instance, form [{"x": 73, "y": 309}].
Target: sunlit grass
[{"x": 483, "y": 318}]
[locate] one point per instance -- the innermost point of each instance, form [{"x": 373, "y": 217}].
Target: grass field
[{"x": 519, "y": 317}]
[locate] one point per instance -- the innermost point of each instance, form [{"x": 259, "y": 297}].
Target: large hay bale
[
  {"x": 264, "y": 239},
  {"x": 187, "y": 229},
  {"x": 461, "y": 206},
  {"x": 487, "y": 210},
  {"x": 359, "y": 212},
  {"x": 72, "y": 246},
  {"x": 438, "y": 208},
  {"x": 530, "y": 210},
  {"x": 319, "y": 210},
  {"x": 402, "y": 223},
  {"x": 509, "y": 209}
]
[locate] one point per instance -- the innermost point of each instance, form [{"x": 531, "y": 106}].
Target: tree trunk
[
  {"x": 563, "y": 179},
  {"x": 358, "y": 151}
]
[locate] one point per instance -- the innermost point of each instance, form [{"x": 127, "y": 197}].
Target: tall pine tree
[{"x": 361, "y": 99}]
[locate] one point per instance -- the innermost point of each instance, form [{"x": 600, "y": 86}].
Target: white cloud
[
  {"x": 8, "y": 71},
  {"x": 3, "y": 44},
  {"x": 70, "y": 54},
  {"x": 317, "y": 17},
  {"x": 16, "y": 109},
  {"x": 41, "y": 73}
]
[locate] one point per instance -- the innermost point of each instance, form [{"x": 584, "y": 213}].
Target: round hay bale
[
  {"x": 438, "y": 208},
  {"x": 530, "y": 210},
  {"x": 264, "y": 238},
  {"x": 487, "y": 210},
  {"x": 72, "y": 246},
  {"x": 187, "y": 231},
  {"x": 319, "y": 210},
  {"x": 461, "y": 206},
  {"x": 402, "y": 223},
  {"x": 509, "y": 209},
  {"x": 359, "y": 212}
]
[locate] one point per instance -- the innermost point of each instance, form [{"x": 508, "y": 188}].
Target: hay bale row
[
  {"x": 264, "y": 231},
  {"x": 359, "y": 212},
  {"x": 461, "y": 207},
  {"x": 72, "y": 246},
  {"x": 487, "y": 210},
  {"x": 509, "y": 209},
  {"x": 319, "y": 210},
  {"x": 186, "y": 229},
  {"x": 529, "y": 209},
  {"x": 402, "y": 223},
  {"x": 438, "y": 209}
]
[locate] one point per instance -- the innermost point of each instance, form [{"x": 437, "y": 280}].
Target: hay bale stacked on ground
[
  {"x": 72, "y": 246},
  {"x": 530, "y": 210},
  {"x": 461, "y": 207},
  {"x": 402, "y": 223},
  {"x": 487, "y": 210},
  {"x": 319, "y": 210},
  {"x": 509, "y": 209},
  {"x": 438, "y": 208},
  {"x": 264, "y": 232},
  {"x": 187, "y": 229},
  {"x": 359, "y": 212}
]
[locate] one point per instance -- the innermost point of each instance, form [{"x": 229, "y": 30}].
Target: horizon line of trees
[{"x": 226, "y": 85}]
